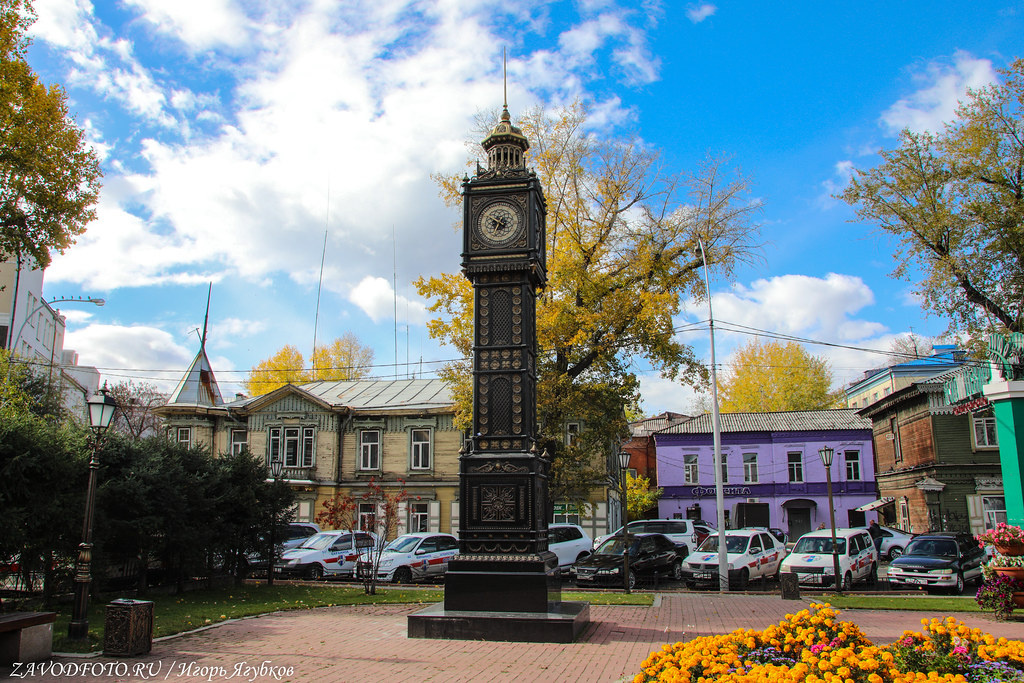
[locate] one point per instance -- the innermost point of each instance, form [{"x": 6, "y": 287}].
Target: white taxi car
[
  {"x": 328, "y": 553},
  {"x": 811, "y": 559},
  {"x": 752, "y": 553},
  {"x": 421, "y": 555}
]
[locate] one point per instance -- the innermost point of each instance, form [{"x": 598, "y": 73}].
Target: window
[
  {"x": 725, "y": 468},
  {"x": 852, "y": 465},
  {"x": 369, "y": 449},
  {"x": 690, "y": 468},
  {"x": 994, "y": 508},
  {"x": 419, "y": 449},
  {"x": 367, "y": 516},
  {"x": 294, "y": 444},
  {"x": 903, "y": 520},
  {"x": 985, "y": 431},
  {"x": 419, "y": 517},
  {"x": 750, "y": 468},
  {"x": 239, "y": 441},
  {"x": 184, "y": 436},
  {"x": 796, "y": 466},
  {"x": 572, "y": 433},
  {"x": 894, "y": 436}
]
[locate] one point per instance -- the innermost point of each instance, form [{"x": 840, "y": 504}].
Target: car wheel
[
  {"x": 848, "y": 581},
  {"x": 895, "y": 552},
  {"x": 315, "y": 572},
  {"x": 959, "y": 588},
  {"x": 677, "y": 570},
  {"x": 873, "y": 576},
  {"x": 632, "y": 579},
  {"x": 402, "y": 575}
]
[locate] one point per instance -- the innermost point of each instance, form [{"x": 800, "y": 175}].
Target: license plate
[
  {"x": 704, "y": 576},
  {"x": 811, "y": 578},
  {"x": 917, "y": 581}
]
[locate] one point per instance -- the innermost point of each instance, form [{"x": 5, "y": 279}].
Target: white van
[
  {"x": 811, "y": 559},
  {"x": 328, "y": 553}
]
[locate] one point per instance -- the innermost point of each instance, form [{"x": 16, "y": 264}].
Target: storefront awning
[
  {"x": 875, "y": 504},
  {"x": 799, "y": 503}
]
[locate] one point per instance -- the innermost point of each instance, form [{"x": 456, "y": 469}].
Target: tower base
[{"x": 502, "y": 597}]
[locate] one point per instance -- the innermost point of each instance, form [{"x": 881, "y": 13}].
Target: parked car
[
  {"x": 411, "y": 557},
  {"x": 683, "y": 532},
  {"x": 811, "y": 559},
  {"x": 328, "y": 553},
  {"x": 779, "y": 534},
  {"x": 296, "y": 533},
  {"x": 752, "y": 553},
  {"x": 570, "y": 543},
  {"x": 650, "y": 556},
  {"x": 894, "y": 542},
  {"x": 938, "y": 560}
]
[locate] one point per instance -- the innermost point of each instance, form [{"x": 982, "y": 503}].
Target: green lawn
[
  {"x": 904, "y": 602},
  {"x": 194, "y": 609}
]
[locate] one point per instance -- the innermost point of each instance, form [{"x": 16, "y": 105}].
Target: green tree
[
  {"x": 49, "y": 175},
  {"x": 775, "y": 376},
  {"x": 954, "y": 202},
  {"x": 621, "y": 256},
  {"x": 640, "y": 497}
]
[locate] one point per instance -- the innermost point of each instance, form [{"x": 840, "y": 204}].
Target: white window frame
[
  {"x": 724, "y": 459},
  {"x": 420, "y": 449},
  {"x": 239, "y": 444},
  {"x": 419, "y": 516},
  {"x": 983, "y": 427},
  {"x": 994, "y": 510},
  {"x": 903, "y": 520},
  {"x": 183, "y": 435},
  {"x": 691, "y": 470},
  {"x": 894, "y": 432},
  {"x": 369, "y": 451},
  {"x": 852, "y": 460},
  {"x": 795, "y": 468},
  {"x": 296, "y": 445},
  {"x": 572, "y": 433},
  {"x": 367, "y": 519},
  {"x": 750, "y": 468}
]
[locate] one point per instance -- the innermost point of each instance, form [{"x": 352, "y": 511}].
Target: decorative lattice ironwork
[
  {"x": 501, "y": 406},
  {"x": 501, "y": 317}
]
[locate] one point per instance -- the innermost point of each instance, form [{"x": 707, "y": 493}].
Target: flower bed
[{"x": 813, "y": 645}]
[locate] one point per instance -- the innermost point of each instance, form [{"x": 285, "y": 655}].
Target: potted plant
[
  {"x": 998, "y": 593},
  {"x": 1007, "y": 539}
]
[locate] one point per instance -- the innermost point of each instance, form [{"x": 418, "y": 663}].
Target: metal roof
[
  {"x": 383, "y": 394},
  {"x": 793, "y": 421},
  {"x": 198, "y": 386}
]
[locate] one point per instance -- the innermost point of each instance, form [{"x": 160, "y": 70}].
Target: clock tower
[{"x": 504, "y": 584}]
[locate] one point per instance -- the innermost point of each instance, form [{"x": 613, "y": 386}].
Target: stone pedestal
[{"x": 502, "y": 597}]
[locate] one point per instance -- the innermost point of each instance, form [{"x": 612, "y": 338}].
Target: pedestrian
[
  {"x": 820, "y": 526},
  {"x": 876, "y": 534}
]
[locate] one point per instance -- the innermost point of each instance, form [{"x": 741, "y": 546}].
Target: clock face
[{"x": 499, "y": 224}]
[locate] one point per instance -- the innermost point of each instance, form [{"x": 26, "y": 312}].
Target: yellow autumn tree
[
  {"x": 774, "y": 376},
  {"x": 640, "y": 497},
  {"x": 621, "y": 256},
  {"x": 343, "y": 359}
]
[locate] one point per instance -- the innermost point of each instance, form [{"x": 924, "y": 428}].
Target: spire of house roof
[{"x": 198, "y": 386}]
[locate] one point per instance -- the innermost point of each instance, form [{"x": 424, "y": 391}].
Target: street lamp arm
[{"x": 44, "y": 304}]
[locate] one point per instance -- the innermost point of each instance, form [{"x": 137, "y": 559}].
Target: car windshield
[
  {"x": 819, "y": 545},
  {"x": 615, "y": 546},
  {"x": 403, "y": 544},
  {"x": 932, "y": 547},
  {"x": 733, "y": 544},
  {"x": 319, "y": 541}
]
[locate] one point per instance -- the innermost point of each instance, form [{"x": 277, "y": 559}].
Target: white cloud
[
  {"x": 132, "y": 352},
  {"x": 376, "y": 297},
  {"x": 698, "y": 13},
  {"x": 66, "y": 24},
  {"x": 197, "y": 23},
  {"x": 942, "y": 86},
  {"x": 842, "y": 172}
]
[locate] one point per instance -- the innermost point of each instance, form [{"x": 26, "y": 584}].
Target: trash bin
[
  {"x": 128, "y": 628},
  {"x": 790, "y": 586}
]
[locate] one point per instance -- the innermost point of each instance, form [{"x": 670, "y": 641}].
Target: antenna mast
[
  {"x": 206, "y": 318},
  {"x": 319, "y": 285}
]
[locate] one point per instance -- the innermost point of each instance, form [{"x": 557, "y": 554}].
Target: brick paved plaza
[{"x": 369, "y": 643}]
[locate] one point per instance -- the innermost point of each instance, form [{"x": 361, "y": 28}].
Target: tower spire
[{"x": 506, "y": 145}]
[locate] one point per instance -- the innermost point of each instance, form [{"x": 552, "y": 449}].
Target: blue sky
[{"x": 234, "y": 133}]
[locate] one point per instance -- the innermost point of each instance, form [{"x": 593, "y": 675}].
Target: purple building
[{"x": 774, "y": 475}]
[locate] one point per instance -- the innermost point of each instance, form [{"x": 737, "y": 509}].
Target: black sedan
[
  {"x": 938, "y": 560},
  {"x": 650, "y": 555}
]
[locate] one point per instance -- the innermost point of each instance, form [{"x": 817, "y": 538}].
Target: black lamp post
[
  {"x": 624, "y": 466},
  {"x": 276, "y": 468},
  {"x": 827, "y": 453},
  {"x": 101, "y": 412}
]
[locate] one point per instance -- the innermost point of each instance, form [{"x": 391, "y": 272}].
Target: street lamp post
[
  {"x": 624, "y": 467},
  {"x": 101, "y": 412},
  {"x": 276, "y": 468},
  {"x": 827, "y": 453}
]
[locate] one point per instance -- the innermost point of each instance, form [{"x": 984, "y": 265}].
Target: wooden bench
[{"x": 26, "y": 636}]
